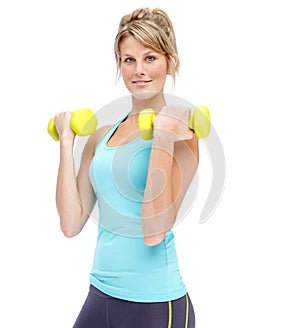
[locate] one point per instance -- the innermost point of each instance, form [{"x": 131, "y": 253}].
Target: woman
[{"x": 139, "y": 185}]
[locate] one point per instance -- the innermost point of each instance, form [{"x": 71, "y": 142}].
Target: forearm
[
  {"x": 67, "y": 197},
  {"x": 158, "y": 210}
]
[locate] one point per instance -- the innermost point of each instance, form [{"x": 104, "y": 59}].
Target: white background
[{"x": 240, "y": 58}]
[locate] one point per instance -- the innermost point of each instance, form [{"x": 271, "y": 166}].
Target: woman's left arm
[{"x": 173, "y": 162}]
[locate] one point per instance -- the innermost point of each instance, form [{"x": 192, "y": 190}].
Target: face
[{"x": 142, "y": 68}]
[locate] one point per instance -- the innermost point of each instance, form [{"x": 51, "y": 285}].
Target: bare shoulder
[{"x": 95, "y": 138}]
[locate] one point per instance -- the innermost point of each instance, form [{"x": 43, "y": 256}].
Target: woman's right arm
[{"x": 75, "y": 197}]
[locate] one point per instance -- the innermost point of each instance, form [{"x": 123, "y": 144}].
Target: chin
[{"x": 145, "y": 94}]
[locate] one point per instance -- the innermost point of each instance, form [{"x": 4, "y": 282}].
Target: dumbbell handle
[
  {"x": 83, "y": 122},
  {"x": 199, "y": 122}
]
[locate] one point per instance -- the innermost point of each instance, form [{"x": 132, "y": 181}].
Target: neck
[{"x": 147, "y": 100}]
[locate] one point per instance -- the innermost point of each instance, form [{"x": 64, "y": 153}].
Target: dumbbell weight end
[
  {"x": 52, "y": 129},
  {"x": 146, "y": 123},
  {"x": 83, "y": 122},
  {"x": 199, "y": 122}
]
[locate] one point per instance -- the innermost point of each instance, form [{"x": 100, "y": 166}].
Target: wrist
[{"x": 66, "y": 141}]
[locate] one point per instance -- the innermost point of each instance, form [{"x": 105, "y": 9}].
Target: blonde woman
[{"x": 139, "y": 184}]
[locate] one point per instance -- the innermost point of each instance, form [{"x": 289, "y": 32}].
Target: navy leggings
[{"x": 103, "y": 311}]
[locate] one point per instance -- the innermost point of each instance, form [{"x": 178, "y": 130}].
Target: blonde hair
[{"x": 154, "y": 29}]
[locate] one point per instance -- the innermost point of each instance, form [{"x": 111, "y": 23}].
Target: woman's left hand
[{"x": 174, "y": 120}]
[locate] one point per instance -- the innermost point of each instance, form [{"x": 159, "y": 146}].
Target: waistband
[{"x": 99, "y": 293}]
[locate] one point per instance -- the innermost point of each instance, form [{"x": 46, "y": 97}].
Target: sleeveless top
[{"x": 124, "y": 266}]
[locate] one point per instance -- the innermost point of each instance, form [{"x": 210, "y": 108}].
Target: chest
[
  {"x": 121, "y": 164},
  {"x": 124, "y": 134}
]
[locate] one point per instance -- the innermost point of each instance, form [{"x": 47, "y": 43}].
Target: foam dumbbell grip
[
  {"x": 83, "y": 122},
  {"x": 199, "y": 122}
]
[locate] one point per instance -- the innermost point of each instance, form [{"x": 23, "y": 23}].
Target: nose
[{"x": 139, "y": 68}]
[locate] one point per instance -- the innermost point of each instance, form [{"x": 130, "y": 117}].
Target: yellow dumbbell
[
  {"x": 83, "y": 122},
  {"x": 199, "y": 122}
]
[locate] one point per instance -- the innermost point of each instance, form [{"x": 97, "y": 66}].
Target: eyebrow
[{"x": 145, "y": 54}]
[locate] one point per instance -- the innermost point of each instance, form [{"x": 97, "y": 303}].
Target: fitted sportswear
[
  {"x": 124, "y": 267},
  {"x": 101, "y": 310}
]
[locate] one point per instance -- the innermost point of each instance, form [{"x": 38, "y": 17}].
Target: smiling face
[{"x": 142, "y": 68}]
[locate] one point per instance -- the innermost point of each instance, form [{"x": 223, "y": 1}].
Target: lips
[{"x": 141, "y": 82}]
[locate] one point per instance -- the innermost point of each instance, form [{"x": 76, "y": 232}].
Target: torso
[
  {"x": 186, "y": 155},
  {"x": 124, "y": 267}
]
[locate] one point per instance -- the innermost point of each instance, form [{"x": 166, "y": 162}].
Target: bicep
[{"x": 84, "y": 187}]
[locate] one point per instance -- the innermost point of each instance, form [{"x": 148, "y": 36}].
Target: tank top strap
[{"x": 110, "y": 132}]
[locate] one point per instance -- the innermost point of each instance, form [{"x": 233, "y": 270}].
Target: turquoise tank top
[{"x": 124, "y": 267}]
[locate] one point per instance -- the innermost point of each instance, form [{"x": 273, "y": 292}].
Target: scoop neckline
[
  {"x": 120, "y": 146},
  {"x": 114, "y": 128}
]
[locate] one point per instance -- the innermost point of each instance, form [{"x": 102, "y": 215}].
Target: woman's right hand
[{"x": 62, "y": 123}]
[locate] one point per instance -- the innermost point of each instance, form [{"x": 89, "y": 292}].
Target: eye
[
  {"x": 150, "y": 58},
  {"x": 129, "y": 60}
]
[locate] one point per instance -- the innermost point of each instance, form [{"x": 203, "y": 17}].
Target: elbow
[
  {"x": 154, "y": 239},
  {"x": 69, "y": 233},
  {"x": 155, "y": 227},
  {"x": 71, "y": 223},
  {"x": 69, "y": 230}
]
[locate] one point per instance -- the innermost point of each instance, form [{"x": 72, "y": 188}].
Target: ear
[{"x": 174, "y": 60}]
